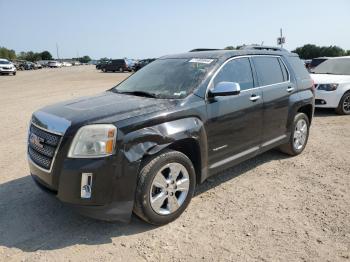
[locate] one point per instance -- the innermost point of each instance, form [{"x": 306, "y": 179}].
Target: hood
[
  {"x": 115, "y": 107},
  {"x": 330, "y": 79}
]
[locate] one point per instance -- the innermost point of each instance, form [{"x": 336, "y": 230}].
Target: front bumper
[
  {"x": 327, "y": 99},
  {"x": 7, "y": 71},
  {"x": 113, "y": 185}
]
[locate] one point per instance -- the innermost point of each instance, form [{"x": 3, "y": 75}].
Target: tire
[
  {"x": 147, "y": 188},
  {"x": 121, "y": 70},
  {"x": 14, "y": 73},
  {"x": 104, "y": 70},
  {"x": 292, "y": 147},
  {"x": 343, "y": 109}
]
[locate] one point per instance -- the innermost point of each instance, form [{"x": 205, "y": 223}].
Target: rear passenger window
[
  {"x": 237, "y": 70},
  {"x": 268, "y": 70}
]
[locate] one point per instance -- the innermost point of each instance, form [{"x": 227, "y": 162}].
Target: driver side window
[{"x": 237, "y": 70}]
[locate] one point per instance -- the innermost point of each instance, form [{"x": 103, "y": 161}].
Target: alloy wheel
[
  {"x": 169, "y": 188},
  {"x": 300, "y": 134},
  {"x": 346, "y": 104}
]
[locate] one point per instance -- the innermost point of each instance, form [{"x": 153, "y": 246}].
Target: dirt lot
[{"x": 270, "y": 208}]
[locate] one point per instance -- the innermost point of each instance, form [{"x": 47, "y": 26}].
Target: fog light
[{"x": 86, "y": 185}]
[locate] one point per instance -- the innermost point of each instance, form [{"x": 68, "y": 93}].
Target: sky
[{"x": 142, "y": 29}]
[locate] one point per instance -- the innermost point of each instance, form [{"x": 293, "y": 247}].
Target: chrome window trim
[
  {"x": 255, "y": 88},
  {"x": 56, "y": 151}
]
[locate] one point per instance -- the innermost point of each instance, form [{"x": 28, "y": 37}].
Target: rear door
[
  {"x": 274, "y": 81},
  {"x": 234, "y": 122}
]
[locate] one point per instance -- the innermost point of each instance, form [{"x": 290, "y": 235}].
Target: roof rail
[
  {"x": 203, "y": 49},
  {"x": 262, "y": 47}
]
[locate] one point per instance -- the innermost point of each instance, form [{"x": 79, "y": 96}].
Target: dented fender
[{"x": 153, "y": 139}]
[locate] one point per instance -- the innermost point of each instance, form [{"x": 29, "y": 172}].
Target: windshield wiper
[{"x": 138, "y": 93}]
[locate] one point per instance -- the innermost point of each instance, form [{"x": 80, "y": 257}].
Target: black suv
[
  {"x": 143, "y": 63},
  {"x": 115, "y": 65},
  {"x": 145, "y": 144}
]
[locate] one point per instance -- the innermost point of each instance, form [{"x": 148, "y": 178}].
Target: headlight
[
  {"x": 93, "y": 141},
  {"x": 327, "y": 87}
]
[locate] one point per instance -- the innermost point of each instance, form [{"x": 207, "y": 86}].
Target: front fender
[{"x": 153, "y": 139}]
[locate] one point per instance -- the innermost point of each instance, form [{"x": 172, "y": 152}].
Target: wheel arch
[{"x": 185, "y": 135}]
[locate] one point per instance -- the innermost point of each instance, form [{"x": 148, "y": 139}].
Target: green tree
[
  {"x": 84, "y": 59},
  {"x": 310, "y": 51},
  {"x": 7, "y": 53},
  {"x": 46, "y": 55}
]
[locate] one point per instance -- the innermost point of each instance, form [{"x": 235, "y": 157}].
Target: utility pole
[
  {"x": 281, "y": 40},
  {"x": 281, "y": 35},
  {"x": 58, "y": 57}
]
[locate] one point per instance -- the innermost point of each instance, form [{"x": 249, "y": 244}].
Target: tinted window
[
  {"x": 237, "y": 70},
  {"x": 268, "y": 70},
  {"x": 298, "y": 68},
  {"x": 316, "y": 61}
]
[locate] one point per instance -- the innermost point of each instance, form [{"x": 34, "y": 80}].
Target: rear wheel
[
  {"x": 299, "y": 135},
  {"x": 165, "y": 187},
  {"x": 344, "y": 105}
]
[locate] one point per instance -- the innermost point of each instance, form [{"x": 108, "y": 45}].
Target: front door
[{"x": 234, "y": 125}]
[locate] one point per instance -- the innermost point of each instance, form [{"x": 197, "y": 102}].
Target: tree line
[
  {"x": 310, "y": 51},
  {"x": 34, "y": 56}
]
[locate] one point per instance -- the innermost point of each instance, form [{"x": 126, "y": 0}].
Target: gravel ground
[{"x": 270, "y": 208}]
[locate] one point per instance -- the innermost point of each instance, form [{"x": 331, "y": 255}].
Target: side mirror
[{"x": 225, "y": 89}]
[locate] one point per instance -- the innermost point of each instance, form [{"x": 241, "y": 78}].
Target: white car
[
  {"x": 54, "y": 64},
  {"x": 66, "y": 64},
  {"x": 6, "y": 67},
  {"x": 332, "y": 83}
]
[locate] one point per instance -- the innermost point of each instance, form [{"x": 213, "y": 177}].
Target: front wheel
[
  {"x": 344, "y": 105},
  {"x": 299, "y": 135},
  {"x": 165, "y": 187}
]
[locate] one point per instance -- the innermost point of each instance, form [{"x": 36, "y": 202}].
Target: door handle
[
  {"x": 254, "y": 98},
  {"x": 290, "y": 89}
]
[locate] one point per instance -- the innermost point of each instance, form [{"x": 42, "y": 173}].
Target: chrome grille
[{"x": 42, "y": 146}]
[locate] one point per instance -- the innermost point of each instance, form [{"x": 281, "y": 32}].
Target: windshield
[
  {"x": 4, "y": 62},
  {"x": 167, "y": 78},
  {"x": 335, "y": 66}
]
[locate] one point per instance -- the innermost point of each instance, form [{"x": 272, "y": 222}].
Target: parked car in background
[
  {"x": 28, "y": 65},
  {"x": 76, "y": 63},
  {"x": 37, "y": 66},
  {"x": 101, "y": 63},
  {"x": 19, "y": 64},
  {"x": 6, "y": 67},
  {"x": 332, "y": 82},
  {"x": 66, "y": 64},
  {"x": 116, "y": 65},
  {"x": 144, "y": 145},
  {"x": 138, "y": 65},
  {"x": 317, "y": 61},
  {"x": 54, "y": 64},
  {"x": 43, "y": 63}
]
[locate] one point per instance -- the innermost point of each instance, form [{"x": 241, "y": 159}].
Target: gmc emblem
[{"x": 35, "y": 140}]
